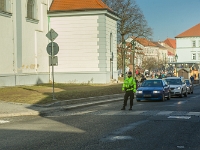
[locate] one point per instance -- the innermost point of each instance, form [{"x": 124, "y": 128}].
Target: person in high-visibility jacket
[{"x": 129, "y": 86}]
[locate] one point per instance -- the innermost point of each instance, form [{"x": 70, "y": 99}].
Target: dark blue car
[{"x": 153, "y": 89}]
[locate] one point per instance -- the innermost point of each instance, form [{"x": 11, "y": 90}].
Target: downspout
[
  {"x": 13, "y": 40},
  {"x": 49, "y": 65}
]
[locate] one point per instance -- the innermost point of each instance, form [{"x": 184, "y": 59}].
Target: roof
[
  {"x": 69, "y": 5},
  {"x": 144, "y": 42},
  {"x": 192, "y": 32},
  {"x": 159, "y": 45},
  {"x": 170, "y": 42}
]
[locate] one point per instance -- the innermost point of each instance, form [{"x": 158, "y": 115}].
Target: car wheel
[
  {"x": 163, "y": 98},
  {"x": 181, "y": 95},
  {"x": 169, "y": 96},
  {"x": 189, "y": 92},
  {"x": 138, "y": 100},
  {"x": 185, "y": 94}
]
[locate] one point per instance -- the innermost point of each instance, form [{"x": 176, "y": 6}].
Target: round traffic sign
[{"x": 55, "y": 48}]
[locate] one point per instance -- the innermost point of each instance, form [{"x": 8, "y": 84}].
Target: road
[{"x": 170, "y": 125}]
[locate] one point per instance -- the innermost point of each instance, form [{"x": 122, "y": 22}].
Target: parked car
[
  {"x": 153, "y": 89},
  {"x": 177, "y": 86},
  {"x": 190, "y": 86}
]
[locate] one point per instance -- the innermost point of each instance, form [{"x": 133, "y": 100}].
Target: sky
[{"x": 169, "y": 18}]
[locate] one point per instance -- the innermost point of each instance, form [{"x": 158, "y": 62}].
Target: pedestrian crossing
[{"x": 132, "y": 113}]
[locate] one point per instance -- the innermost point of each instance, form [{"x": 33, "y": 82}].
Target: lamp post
[
  {"x": 124, "y": 65},
  {"x": 176, "y": 58},
  {"x": 133, "y": 52}
]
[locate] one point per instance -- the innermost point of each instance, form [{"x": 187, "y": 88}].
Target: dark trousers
[{"x": 126, "y": 96}]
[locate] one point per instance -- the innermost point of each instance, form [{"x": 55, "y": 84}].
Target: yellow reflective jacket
[{"x": 129, "y": 84}]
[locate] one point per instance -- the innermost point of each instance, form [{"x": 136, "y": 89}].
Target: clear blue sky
[{"x": 168, "y": 18}]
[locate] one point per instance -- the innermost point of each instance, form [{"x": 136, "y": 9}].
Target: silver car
[
  {"x": 190, "y": 86},
  {"x": 178, "y": 86}
]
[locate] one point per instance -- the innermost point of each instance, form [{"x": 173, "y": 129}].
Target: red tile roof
[
  {"x": 170, "y": 53},
  {"x": 192, "y": 32},
  {"x": 145, "y": 42},
  {"x": 67, "y": 5},
  {"x": 170, "y": 42}
]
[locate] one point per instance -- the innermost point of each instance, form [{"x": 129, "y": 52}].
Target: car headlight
[
  {"x": 178, "y": 87},
  {"x": 139, "y": 92},
  {"x": 156, "y": 92}
]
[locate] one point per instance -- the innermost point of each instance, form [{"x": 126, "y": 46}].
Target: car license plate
[{"x": 147, "y": 95}]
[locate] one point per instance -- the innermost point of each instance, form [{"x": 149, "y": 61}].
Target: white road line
[
  {"x": 193, "y": 114},
  {"x": 84, "y": 112},
  {"x": 165, "y": 113},
  {"x": 117, "y": 135},
  {"x": 3, "y": 121},
  {"x": 179, "y": 117}
]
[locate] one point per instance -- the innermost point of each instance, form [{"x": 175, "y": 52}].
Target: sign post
[{"x": 52, "y": 49}]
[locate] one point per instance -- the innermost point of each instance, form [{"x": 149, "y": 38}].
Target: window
[
  {"x": 198, "y": 56},
  {"x": 30, "y": 9},
  {"x": 193, "y": 43},
  {"x": 193, "y": 56},
  {"x": 2, "y": 5}
]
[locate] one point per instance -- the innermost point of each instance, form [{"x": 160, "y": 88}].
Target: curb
[{"x": 42, "y": 110}]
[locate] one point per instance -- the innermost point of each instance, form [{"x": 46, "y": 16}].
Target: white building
[
  {"x": 188, "y": 51},
  {"x": 86, "y": 40},
  {"x": 23, "y": 26},
  {"x": 188, "y": 45}
]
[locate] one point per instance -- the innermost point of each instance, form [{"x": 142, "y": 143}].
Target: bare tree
[
  {"x": 149, "y": 63},
  {"x": 132, "y": 21}
]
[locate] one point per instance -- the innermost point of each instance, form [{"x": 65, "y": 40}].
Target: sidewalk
[{"x": 17, "y": 109}]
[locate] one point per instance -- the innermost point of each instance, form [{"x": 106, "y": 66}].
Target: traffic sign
[
  {"x": 54, "y": 50},
  {"x": 52, "y": 35}
]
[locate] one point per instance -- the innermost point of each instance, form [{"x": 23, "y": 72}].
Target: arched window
[
  {"x": 30, "y": 9},
  {"x": 2, "y": 5}
]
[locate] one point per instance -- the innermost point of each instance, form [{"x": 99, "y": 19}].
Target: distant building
[
  {"x": 188, "y": 45},
  {"x": 188, "y": 51}
]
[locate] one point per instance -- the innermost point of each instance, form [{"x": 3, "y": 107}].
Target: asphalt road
[{"x": 170, "y": 125}]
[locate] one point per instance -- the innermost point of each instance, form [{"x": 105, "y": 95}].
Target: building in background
[{"x": 188, "y": 52}]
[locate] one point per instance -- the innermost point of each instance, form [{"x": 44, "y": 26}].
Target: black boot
[
  {"x": 130, "y": 108},
  {"x": 123, "y": 108}
]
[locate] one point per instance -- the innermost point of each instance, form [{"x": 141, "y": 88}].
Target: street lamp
[
  {"x": 133, "y": 52},
  {"x": 124, "y": 65},
  {"x": 176, "y": 58}
]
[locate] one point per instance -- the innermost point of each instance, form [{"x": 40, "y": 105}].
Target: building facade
[
  {"x": 86, "y": 48},
  {"x": 23, "y": 58}
]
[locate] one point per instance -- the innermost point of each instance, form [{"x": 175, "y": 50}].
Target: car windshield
[
  {"x": 174, "y": 81},
  {"x": 187, "y": 82},
  {"x": 152, "y": 83}
]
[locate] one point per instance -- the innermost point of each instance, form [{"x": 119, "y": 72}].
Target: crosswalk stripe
[
  {"x": 145, "y": 113},
  {"x": 3, "y": 121}
]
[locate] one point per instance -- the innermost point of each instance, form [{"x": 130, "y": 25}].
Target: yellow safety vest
[{"x": 129, "y": 84}]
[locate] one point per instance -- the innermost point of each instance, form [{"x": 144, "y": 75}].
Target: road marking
[
  {"x": 117, "y": 135},
  {"x": 165, "y": 113},
  {"x": 3, "y": 121},
  {"x": 179, "y": 117},
  {"x": 81, "y": 113},
  {"x": 193, "y": 114}
]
